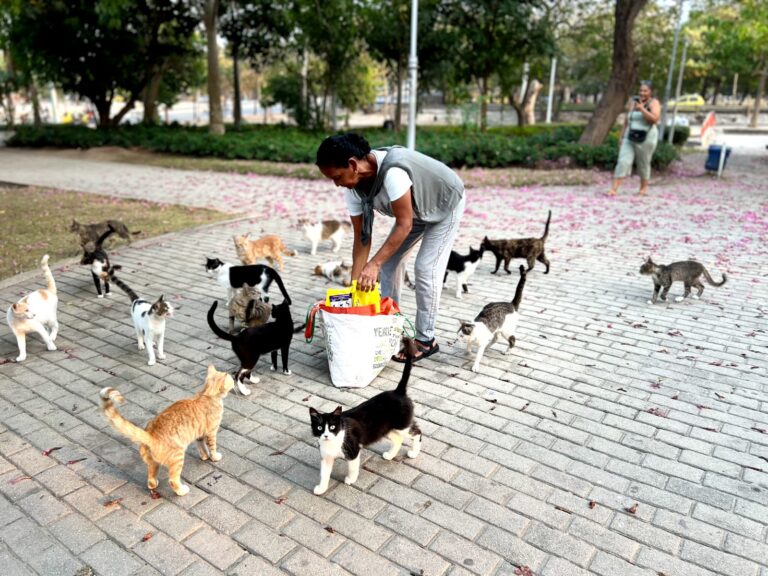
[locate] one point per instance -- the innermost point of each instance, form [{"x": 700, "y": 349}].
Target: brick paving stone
[
  {"x": 570, "y": 423},
  {"x": 215, "y": 548},
  {"x": 55, "y": 561}
]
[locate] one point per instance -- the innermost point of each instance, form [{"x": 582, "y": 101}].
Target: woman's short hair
[{"x": 335, "y": 151}]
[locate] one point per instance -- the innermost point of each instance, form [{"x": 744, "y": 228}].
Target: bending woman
[{"x": 426, "y": 199}]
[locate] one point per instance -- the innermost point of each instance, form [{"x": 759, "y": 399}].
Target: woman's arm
[
  {"x": 651, "y": 115},
  {"x": 359, "y": 252},
  {"x": 403, "y": 211}
]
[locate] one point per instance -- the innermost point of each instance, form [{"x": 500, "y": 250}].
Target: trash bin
[{"x": 713, "y": 157}]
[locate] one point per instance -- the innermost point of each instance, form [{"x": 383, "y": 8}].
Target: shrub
[{"x": 454, "y": 145}]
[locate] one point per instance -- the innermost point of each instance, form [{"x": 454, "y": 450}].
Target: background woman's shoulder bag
[{"x": 638, "y": 136}]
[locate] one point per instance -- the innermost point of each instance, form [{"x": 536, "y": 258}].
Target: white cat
[
  {"x": 36, "y": 312},
  {"x": 495, "y": 319},
  {"x": 335, "y": 271},
  {"x": 333, "y": 230},
  {"x": 148, "y": 320}
]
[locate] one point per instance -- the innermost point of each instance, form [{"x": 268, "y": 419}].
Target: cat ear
[
  {"x": 337, "y": 412},
  {"x": 313, "y": 412},
  {"x": 162, "y": 296},
  {"x": 211, "y": 370}
]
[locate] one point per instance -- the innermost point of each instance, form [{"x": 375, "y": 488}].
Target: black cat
[
  {"x": 251, "y": 343},
  {"x": 95, "y": 255},
  {"x": 255, "y": 275},
  {"x": 343, "y": 434},
  {"x": 464, "y": 267}
]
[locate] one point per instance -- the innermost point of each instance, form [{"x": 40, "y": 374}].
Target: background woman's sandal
[{"x": 424, "y": 350}]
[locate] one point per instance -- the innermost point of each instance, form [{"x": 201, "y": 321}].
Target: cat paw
[
  {"x": 273, "y": 368},
  {"x": 141, "y": 346},
  {"x": 287, "y": 372},
  {"x": 650, "y": 302},
  {"x": 152, "y": 483},
  {"x": 161, "y": 356},
  {"x": 413, "y": 453},
  {"x": 679, "y": 298},
  {"x": 151, "y": 362},
  {"x": 254, "y": 379},
  {"x": 108, "y": 294},
  {"x": 475, "y": 368},
  {"x": 216, "y": 456},
  {"x": 320, "y": 489},
  {"x": 21, "y": 358},
  {"x": 389, "y": 455},
  {"x": 695, "y": 297},
  {"x": 183, "y": 490},
  {"x": 242, "y": 389},
  {"x": 51, "y": 346},
  {"x": 100, "y": 296},
  {"x": 349, "y": 480}
]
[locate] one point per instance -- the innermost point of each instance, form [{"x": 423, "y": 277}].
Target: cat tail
[
  {"x": 409, "y": 348},
  {"x": 128, "y": 429},
  {"x": 276, "y": 278},
  {"x": 107, "y": 234},
  {"x": 212, "y": 323},
  {"x": 48, "y": 275},
  {"x": 546, "y": 226},
  {"x": 711, "y": 281},
  {"x": 519, "y": 290},
  {"x": 408, "y": 282},
  {"x": 123, "y": 286}
]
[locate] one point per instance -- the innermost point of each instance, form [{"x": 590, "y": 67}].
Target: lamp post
[
  {"x": 413, "y": 66},
  {"x": 668, "y": 87},
  {"x": 677, "y": 92},
  {"x": 552, "y": 73}
]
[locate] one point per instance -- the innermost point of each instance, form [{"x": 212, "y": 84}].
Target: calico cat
[
  {"x": 269, "y": 247},
  {"x": 165, "y": 439},
  {"x": 333, "y": 230},
  {"x": 95, "y": 255},
  {"x": 495, "y": 319},
  {"x": 531, "y": 249},
  {"x": 256, "y": 276},
  {"x": 248, "y": 308},
  {"x": 91, "y": 232},
  {"x": 148, "y": 320},
  {"x": 335, "y": 271},
  {"x": 36, "y": 312},
  {"x": 464, "y": 267},
  {"x": 386, "y": 415},
  {"x": 251, "y": 343},
  {"x": 688, "y": 272}
]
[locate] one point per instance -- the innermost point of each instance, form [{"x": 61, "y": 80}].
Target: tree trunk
[
  {"x": 529, "y": 104},
  {"x": 151, "y": 91},
  {"x": 760, "y": 91},
  {"x": 334, "y": 112},
  {"x": 215, "y": 114},
  {"x": 10, "y": 107},
  {"x": 35, "y": 98},
  {"x": 103, "y": 106},
  {"x": 623, "y": 77},
  {"x": 718, "y": 86},
  {"x": 123, "y": 111},
  {"x": 399, "y": 103},
  {"x": 484, "y": 104},
  {"x": 237, "y": 112}
]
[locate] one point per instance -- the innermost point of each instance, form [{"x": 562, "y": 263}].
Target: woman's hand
[{"x": 368, "y": 277}]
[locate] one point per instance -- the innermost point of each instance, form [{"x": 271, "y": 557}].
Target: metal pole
[
  {"x": 721, "y": 162},
  {"x": 677, "y": 91},
  {"x": 54, "y": 106},
  {"x": 668, "y": 87},
  {"x": 413, "y": 66},
  {"x": 551, "y": 89}
]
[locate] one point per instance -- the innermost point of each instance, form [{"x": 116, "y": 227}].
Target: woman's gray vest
[{"x": 436, "y": 190}]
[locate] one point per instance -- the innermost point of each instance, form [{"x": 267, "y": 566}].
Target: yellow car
[{"x": 688, "y": 103}]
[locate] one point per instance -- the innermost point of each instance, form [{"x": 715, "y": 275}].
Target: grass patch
[{"x": 35, "y": 221}]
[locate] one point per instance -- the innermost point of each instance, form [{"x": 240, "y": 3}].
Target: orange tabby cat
[
  {"x": 165, "y": 439},
  {"x": 269, "y": 247}
]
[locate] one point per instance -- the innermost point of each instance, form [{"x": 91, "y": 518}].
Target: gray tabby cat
[
  {"x": 495, "y": 319},
  {"x": 688, "y": 272}
]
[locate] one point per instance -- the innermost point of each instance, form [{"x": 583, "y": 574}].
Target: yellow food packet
[{"x": 361, "y": 298}]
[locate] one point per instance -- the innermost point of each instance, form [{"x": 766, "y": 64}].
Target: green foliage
[
  {"x": 499, "y": 147},
  {"x": 682, "y": 133}
]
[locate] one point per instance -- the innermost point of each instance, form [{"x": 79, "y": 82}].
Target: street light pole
[
  {"x": 677, "y": 92},
  {"x": 413, "y": 66},
  {"x": 552, "y": 72},
  {"x": 668, "y": 87}
]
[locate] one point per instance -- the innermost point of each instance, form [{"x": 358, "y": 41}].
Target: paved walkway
[{"x": 616, "y": 439}]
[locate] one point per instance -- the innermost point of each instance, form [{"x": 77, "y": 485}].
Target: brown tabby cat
[
  {"x": 688, "y": 272},
  {"x": 165, "y": 439},
  {"x": 91, "y": 232},
  {"x": 531, "y": 249},
  {"x": 269, "y": 247},
  {"x": 248, "y": 308}
]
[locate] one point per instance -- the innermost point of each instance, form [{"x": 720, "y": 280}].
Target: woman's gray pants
[{"x": 431, "y": 261}]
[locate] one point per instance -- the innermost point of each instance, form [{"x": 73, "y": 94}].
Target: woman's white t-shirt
[{"x": 396, "y": 184}]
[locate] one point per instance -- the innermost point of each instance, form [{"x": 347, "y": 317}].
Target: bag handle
[
  {"x": 413, "y": 330},
  {"x": 309, "y": 330}
]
